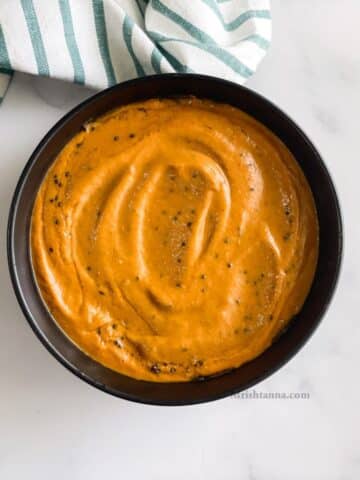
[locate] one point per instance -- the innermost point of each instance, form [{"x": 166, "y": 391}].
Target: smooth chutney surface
[{"x": 173, "y": 239}]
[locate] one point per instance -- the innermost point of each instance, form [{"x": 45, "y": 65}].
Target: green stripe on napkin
[
  {"x": 79, "y": 74},
  {"x": 35, "y": 37},
  {"x": 229, "y": 60},
  {"x": 128, "y": 26},
  {"x": 156, "y": 60},
  {"x": 100, "y": 25},
  {"x": 240, "y": 20},
  {"x": 5, "y": 65}
]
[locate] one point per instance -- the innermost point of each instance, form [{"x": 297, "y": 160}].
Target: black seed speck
[
  {"x": 189, "y": 224},
  {"x": 101, "y": 292},
  {"x": 203, "y": 276},
  {"x": 67, "y": 174},
  {"x": 229, "y": 265},
  {"x": 131, "y": 135},
  {"x": 116, "y": 138},
  {"x": 51, "y": 249},
  {"x": 155, "y": 368}
]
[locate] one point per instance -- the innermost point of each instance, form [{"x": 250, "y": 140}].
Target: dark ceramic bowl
[{"x": 299, "y": 330}]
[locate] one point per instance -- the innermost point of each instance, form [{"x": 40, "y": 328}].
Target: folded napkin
[{"x": 102, "y": 42}]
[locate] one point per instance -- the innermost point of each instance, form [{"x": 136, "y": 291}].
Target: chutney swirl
[{"x": 173, "y": 239}]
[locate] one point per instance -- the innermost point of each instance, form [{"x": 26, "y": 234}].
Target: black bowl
[{"x": 299, "y": 330}]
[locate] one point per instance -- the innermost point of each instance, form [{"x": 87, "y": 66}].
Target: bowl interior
[{"x": 238, "y": 379}]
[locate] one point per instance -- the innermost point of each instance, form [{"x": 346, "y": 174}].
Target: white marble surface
[{"x": 54, "y": 426}]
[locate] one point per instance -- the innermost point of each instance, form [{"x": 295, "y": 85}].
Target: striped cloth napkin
[{"x": 102, "y": 42}]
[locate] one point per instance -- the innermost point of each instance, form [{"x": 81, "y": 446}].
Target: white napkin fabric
[{"x": 103, "y": 42}]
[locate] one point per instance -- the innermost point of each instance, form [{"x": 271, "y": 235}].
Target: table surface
[{"x": 52, "y": 424}]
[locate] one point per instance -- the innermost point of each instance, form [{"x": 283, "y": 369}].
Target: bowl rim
[{"x": 13, "y": 268}]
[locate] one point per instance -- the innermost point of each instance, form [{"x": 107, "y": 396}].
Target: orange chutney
[{"x": 174, "y": 238}]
